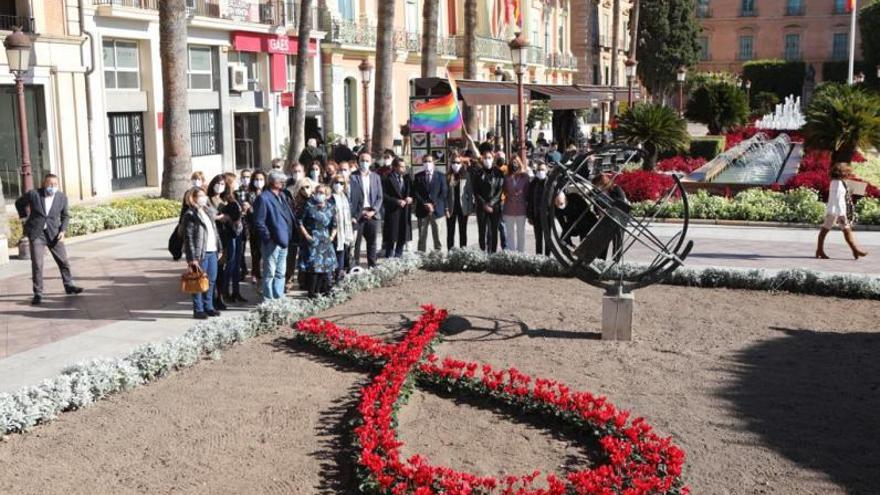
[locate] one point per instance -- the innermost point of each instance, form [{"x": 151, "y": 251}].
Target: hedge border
[{"x": 84, "y": 383}]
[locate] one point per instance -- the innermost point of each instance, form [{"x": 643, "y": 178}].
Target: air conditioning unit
[{"x": 238, "y": 78}]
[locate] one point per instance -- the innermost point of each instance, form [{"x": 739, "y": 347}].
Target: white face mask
[
  {"x": 530, "y": 173},
  {"x": 388, "y": 161},
  {"x": 245, "y": 181},
  {"x": 314, "y": 174},
  {"x": 456, "y": 167},
  {"x": 337, "y": 188},
  {"x": 487, "y": 164},
  {"x": 197, "y": 183},
  {"x": 346, "y": 173},
  {"x": 202, "y": 201},
  {"x": 364, "y": 166},
  {"x": 541, "y": 174},
  {"x": 320, "y": 198},
  {"x": 294, "y": 176},
  {"x": 259, "y": 184},
  {"x": 429, "y": 166},
  {"x": 219, "y": 188}
]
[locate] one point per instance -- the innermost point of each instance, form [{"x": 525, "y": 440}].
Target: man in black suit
[
  {"x": 397, "y": 226},
  {"x": 43, "y": 213},
  {"x": 365, "y": 194},
  {"x": 430, "y": 191}
]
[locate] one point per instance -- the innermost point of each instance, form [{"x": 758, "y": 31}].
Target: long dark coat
[{"x": 397, "y": 225}]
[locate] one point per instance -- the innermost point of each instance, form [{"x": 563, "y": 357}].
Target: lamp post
[
  {"x": 499, "y": 76},
  {"x": 749, "y": 91},
  {"x": 680, "y": 76},
  {"x": 18, "y": 54},
  {"x": 878, "y": 72},
  {"x": 518, "y": 56},
  {"x": 630, "y": 78},
  {"x": 366, "y": 69}
]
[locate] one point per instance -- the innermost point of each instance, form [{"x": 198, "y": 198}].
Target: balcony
[
  {"x": 795, "y": 9},
  {"x": 205, "y": 8},
  {"x": 561, "y": 61},
  {"x": 7, "y": 22},
  {"x": 346, "y": 32},
  {"x": 137, "y": 4}
]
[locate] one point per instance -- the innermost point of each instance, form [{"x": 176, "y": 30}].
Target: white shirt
[
  {"x": 836, "y": 199},
  {"x": 211, "y": 240},
  {"x": 47, "y": 204},
  {"x": 365, "y": 184}
]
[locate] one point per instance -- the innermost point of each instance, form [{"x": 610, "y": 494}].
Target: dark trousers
[
  {"x": 539, "y": 237},
  {"x": 234, "y": 247},
  {"x": 256, "y": 256},
  {"x": 38, "y": 246},
  {"x": 488, "y": 225},
  {"x": 318, "y": 283},
  {"x": 343, "y": 262},
  {"x": 462, "y": 221},
  {"x": 292, "y": 253},
  {"x": 242, "y": 263},
  {"x": 366, "y": 230},
  {"x": 502, "y": 232}
]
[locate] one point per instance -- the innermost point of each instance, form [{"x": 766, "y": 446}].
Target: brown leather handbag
[{"x": 194, "y": 281}]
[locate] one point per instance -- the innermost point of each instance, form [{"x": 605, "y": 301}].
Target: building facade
[
  {"x": 736, "y": 31},
  {"x": 592, "y": 29}
]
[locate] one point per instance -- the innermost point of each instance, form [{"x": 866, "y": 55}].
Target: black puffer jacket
[{"x": 195, "y": 233}]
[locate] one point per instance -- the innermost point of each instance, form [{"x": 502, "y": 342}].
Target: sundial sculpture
[{"x": 589, "y": 228}]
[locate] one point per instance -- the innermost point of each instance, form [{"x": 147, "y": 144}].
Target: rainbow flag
[{"x": 438, "y": 116}]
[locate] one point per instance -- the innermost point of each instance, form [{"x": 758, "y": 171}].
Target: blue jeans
[
  {"x": 232, "y": 269},
  {"x": 274, "y": 268},
  {"x": 204, "y": 302}
]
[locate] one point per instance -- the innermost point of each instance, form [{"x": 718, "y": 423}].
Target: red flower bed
[
  {"x": 637, "y": 460},
  {"x": 735, "y": 136},
  {"x": 814, "y": 173},
  {"x": 640, "y": 185},
  {"x": 682, "y": 164}
]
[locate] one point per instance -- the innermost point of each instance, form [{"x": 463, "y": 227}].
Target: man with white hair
[{"x": 273, "y": 222}]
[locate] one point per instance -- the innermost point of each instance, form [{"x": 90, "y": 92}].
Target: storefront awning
[{"x": 489, "y": 93}]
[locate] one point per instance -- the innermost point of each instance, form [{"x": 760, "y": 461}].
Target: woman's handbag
[{"x": 194, "y": 281}]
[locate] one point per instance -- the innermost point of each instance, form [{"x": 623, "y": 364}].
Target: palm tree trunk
[
  {"x": 177, "y": 159},
  {"x": 383, "y": 127},
  {"x": 430, "y": 15},
  {"x": 634, "y": 30},
  {"x": 298, "y": 131},
  {"x": 470, "y": 60},
  {"x": 615, "y": 41}
]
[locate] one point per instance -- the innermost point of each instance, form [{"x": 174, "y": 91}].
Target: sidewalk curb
[
  {"x": 750, "y": 223},
  {"x": 122, "y": 230}
]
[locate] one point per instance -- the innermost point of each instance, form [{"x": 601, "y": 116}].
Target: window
[
  {"x": 127, "y": 150},
  {"x": 349, "y": 89},
  {"x": 794, "y": 7},
  {"x": 746, "y": 47},
  {"x": 703, "y": 9},
  {"x": 840, "y": 6},
  {"x": 346, "y": 9},
  {"x": 412, "y": 16},
  {"x": 121, "y": 67},
  {"x": 704, "y": 47},
  {"x": 248, "y": 60},
  {"x": 201, "y": 75},
  {"x": 291, "y": 72},
  {"x": 561, "y": 46},
  {"x": 840, "y": 46},
  {"x": 748, "y": 8},
  {"x": 792, "y": 47},
  {"x": 536, "y": 27},
  {"x": 205, "y": 132}
]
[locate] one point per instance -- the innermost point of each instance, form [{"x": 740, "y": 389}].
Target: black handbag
[{"x": 175, "y": 244}]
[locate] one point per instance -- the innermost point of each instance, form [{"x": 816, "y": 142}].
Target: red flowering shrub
[
  {"x": 640, "y": 185},
  {"x": 682, "y": 164},
  {"x": 636, "y": 460},
  {"x": 817, "y": 180},
  {"x": 735, "y": 136}
]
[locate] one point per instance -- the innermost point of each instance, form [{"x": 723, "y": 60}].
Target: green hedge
[
  {"x": 119, "y": 213},
  {"x": 838, "y": 70},
  {"x": 776, "y": 76},
  {"x": 707, "y": 147}
]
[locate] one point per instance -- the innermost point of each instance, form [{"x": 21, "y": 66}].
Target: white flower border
[{"x": 85, "y": 383}]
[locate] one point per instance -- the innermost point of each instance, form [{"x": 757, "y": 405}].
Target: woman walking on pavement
[{"x": 837, "y": 211}]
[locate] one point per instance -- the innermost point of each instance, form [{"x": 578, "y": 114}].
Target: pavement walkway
[{"x": 132, "y": 294}]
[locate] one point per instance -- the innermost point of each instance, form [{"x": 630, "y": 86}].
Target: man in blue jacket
[
  {"x": 273, "y": 222},
  {"x": 431, "y": 190}
]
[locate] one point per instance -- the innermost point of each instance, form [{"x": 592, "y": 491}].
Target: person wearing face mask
[
  {"x": 430, "y": 192},
  {"x": 398, "y": 200},
  {"x": 365, "y": 195},
  {"x": 44, "y": 217},
  {"x": 232, "y": 238},
  {"x": 318, "y": 231},
  {"x": 296, "y": 173},
  {"x": 330, "y": 171},
  {"x": 274, "y": 221},
  {"x": 533, "y": 205},
  {"x": 255, "y": 188},
  {"x": 216, "y": 190},
  {"x": 242, "y": 196},
  {"x": 387, "y": 164},
  {"x": 299, "y": 196},
  {"x": 488, "y": 185},
  {"x": 197, "y": 179},
  {"x": 344, "y": 227},
  {"x": 201, "y": 244},
  {"x": 315, "y": 173},
  {"x": 345, "y": 172},
  {"x": 516, "y": 187},
  {"x": 459, "y": 201}
]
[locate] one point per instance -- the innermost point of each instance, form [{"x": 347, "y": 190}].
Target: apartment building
[
  {"x": 736, "y": 31},
  {"x": 593, "y": 33}
]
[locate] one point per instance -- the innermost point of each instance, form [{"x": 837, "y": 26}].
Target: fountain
[{"x": 786, "y": 117}]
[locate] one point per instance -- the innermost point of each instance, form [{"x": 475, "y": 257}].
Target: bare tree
[
  {"x": 383, "y": 126},
  {"x": 430, "y": 14},
  {"x": 298, "y": 126},
  {"x": 177, "y": 159},
  {"x": 470, "y": 60}
]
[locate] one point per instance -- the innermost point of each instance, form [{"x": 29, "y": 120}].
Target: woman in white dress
[{"x": 836, "y": 212}]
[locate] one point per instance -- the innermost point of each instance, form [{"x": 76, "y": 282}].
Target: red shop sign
[{"x": 287, "y": 99}]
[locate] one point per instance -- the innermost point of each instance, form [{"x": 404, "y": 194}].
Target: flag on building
[
  {"x": 440, "y": 115},
  {"x": 850, "y": 5}
]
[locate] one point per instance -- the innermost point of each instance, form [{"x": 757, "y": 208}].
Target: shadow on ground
[{"x": 814, "y": 397}]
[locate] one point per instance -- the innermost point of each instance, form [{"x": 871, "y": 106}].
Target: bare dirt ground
[{"x": 767, "y": 394}]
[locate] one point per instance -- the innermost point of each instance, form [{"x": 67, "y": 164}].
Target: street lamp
[
  {"x": 749, "y": 91},
  {"x": 630, "y": 78},
  {"x": 859, "y": 78},
  {"x": 499, "y": 112},
  {"x": 18, "y": 54},
  {"x": 680, "y": 76},
  {"x": 518, "y": 56},
  {"x": 366, "y": 69},
  {"x": 878, "y": 72}
]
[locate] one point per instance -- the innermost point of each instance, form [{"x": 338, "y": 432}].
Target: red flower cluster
[
  {"x": 739, "y": 134},
  {"x": 639, "y": 462},
  {"x": 682, "y": 164},
  {"x": 641, "y": 185},
  {"x": 814, "y": 173}
]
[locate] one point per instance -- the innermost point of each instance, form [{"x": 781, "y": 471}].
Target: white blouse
[
  {"x": 344, "y": 227},
  {"x": 836, "y": 199}
]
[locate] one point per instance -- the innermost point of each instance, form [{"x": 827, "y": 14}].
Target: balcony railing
[
  {"x": 355, "y": 33},
  {"x": 138, "y": 4},
  {"x": 799, "y": 9},
  {"x": 205, "y": 8},
  {"x": 7, "y": 22},
  {"x": 561, "y": 61}
]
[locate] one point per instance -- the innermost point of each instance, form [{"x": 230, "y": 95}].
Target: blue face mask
[
  {"x": 320, "y": 198},
  {"x": 51, "y": 190}
]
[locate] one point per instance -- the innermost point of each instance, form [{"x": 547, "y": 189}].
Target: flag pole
[{"x": 852, "y": 41}]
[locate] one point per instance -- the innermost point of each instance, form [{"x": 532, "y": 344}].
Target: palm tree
[
  {"x": 615, "y": 41},
  {"x": 177, "y": 159},
  {"x": 298, "y": 129},
  {"x": 383, "y": 126},
  {"x": 841, "y": 120},
  {"x": 656, "y": 127},
  {"x": 470, "y": 59},
  {"x": 430, "y": 14},
  {"x": 634, "y": 29},
  {"x": 718, "y": 104}
]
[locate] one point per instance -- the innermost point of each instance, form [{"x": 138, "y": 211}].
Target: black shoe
[
  {"x": 219, "y": 305},
  {"x": 238, "y": 298},
  {"x": 37, "y": 300},
  {"x": 72, "y": 289},
  {"x": 213, "y": 312},
  {"x": 200, "y": 315}
]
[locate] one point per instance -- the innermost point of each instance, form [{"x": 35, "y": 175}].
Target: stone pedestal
[{"x": 617, "y": 312}]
